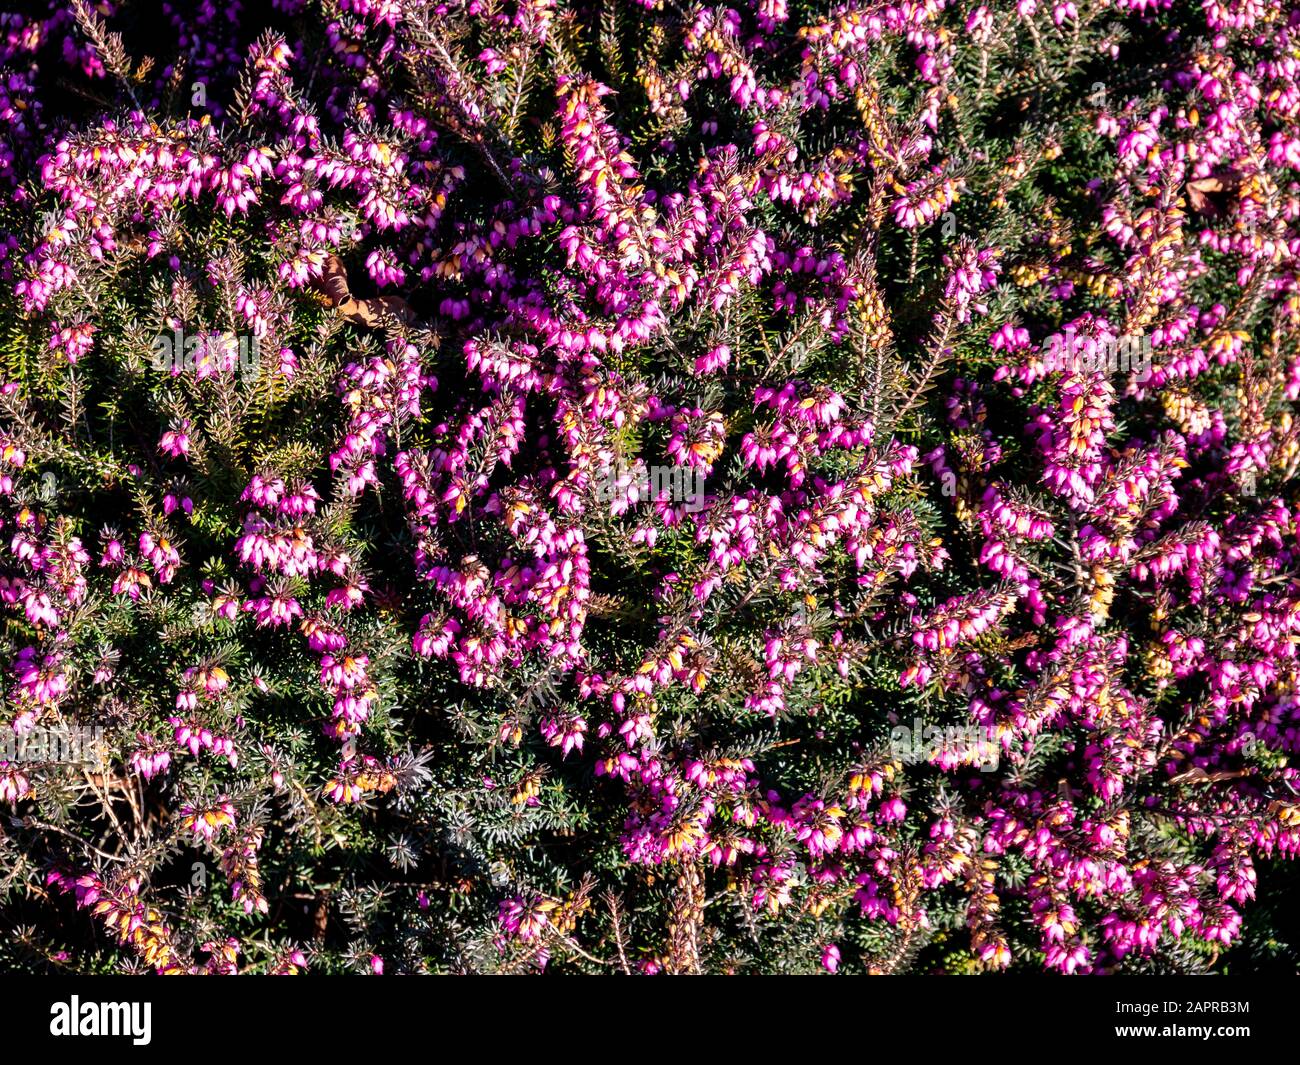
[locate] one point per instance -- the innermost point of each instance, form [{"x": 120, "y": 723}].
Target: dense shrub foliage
[{"x": 649, "y": 487}]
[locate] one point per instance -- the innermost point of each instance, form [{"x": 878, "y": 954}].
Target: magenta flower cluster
[{"x": 413, "y": 585}]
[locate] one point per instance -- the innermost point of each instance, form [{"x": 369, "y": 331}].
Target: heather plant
[{"x": 649, "y": 487}]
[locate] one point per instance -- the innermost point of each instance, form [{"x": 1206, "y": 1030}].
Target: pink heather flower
[
  {"x": 697, "y": 438},
  {"x": 343, "y": 673},
  {"x": 206, "y": 823},
  {"x": 14, "y": 784},
  {"x": 525, "y": 917},
  {"x": 384, "y": 270},
  {"x": 272, "y": 611},
  {"x": 159, "y": 552},
  {"x": 150, "y": 759},
  {"x": 176, "y": 442},
  {"x": 114, "y": 554},
  {"x": 132, "y": 582},
  {"x": 73, "y": 341},
  {"x": 972, "y": 272},
  {"x": 893, "y": 809},
  {"x": 715, "y": 359},
  {"x": 563, "y": 731},
  {"x": 923, "y": 201}
]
